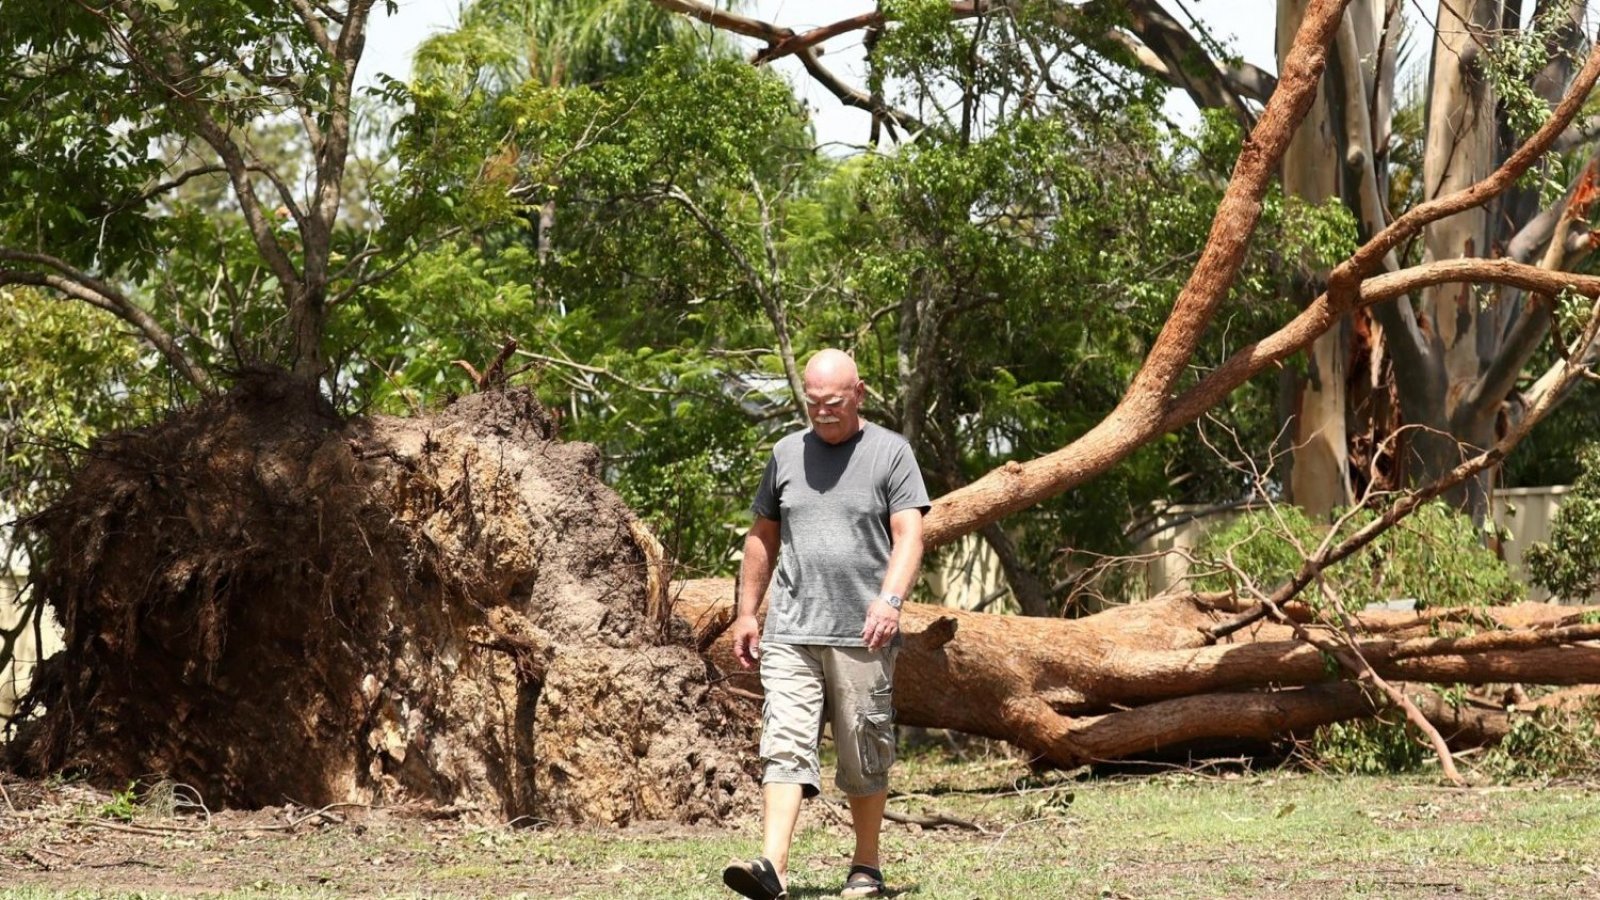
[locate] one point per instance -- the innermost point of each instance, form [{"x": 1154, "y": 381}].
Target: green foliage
[
  {"x": 1513, "y": 61},
  {"x": 1568, "y": 565},
  {"x": 1550, "y": 743},
  {"x": 580, "y": 242},
  {"x": 1435, "y": 555},
  {"x": 123, "y": 805},
  {"x": 67, "y": 375},
  {"x": 1383, "y": 745},
  {"x": 499, "y": 45},
  {"x": 632, "y": 232}
]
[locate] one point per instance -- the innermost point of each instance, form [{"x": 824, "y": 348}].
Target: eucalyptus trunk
[{"x": 1316, "y": 392}]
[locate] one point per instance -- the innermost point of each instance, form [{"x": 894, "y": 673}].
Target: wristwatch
[{"x": 894, "y": 600}]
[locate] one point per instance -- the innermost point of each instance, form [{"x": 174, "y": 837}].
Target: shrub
[
  {"x": 1551, "y": 743},
  {"x": 1436, "y": 556},
  {"x": 1384, "y": 745},
  {"x": 1568, "y": 565}
]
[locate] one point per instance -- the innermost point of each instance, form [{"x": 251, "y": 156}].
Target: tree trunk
[
  {"x": 1462, "y": 148},
  {"x": 1318, "y": 472},
  {"x": 1135, "y": 679}
]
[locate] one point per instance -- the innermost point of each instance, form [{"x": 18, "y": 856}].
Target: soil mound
[{"x": 271, "y": 604}]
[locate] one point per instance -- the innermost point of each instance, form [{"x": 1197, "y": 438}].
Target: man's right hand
[{"x": 747, "y": 640}]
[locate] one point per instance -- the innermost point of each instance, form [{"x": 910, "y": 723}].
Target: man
[{"x": 839, "y": 511}]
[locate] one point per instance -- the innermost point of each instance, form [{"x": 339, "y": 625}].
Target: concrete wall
[
  {"x": 1526, "y": 513},
  {"x": 27, "y": 651}
]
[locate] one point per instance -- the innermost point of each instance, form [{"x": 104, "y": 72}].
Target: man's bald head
[
  {"x": 831, "y": 367},
  {"x": 834, "y": 392}
]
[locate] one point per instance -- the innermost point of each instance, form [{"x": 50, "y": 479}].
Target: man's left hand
[{"x": 883, "y": 623}]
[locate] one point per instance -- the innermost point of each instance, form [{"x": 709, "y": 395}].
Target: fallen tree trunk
[{"x": 1149, "y": 676}]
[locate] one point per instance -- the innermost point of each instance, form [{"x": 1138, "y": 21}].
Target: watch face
[{"x": 893, "y": 600}]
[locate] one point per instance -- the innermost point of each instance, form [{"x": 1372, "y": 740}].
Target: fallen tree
[
  {"x": 268, "y": 601},
  {"x": 1149, "y": 676},
  {"x": 448, "y": 609}
]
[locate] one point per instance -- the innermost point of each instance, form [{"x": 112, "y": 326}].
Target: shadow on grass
[{"x": 893, "y": 890}]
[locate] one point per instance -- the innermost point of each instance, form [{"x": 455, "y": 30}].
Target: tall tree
[
  {"x": 112, "y": 107},
  {"x": 1398, "y": 396}
]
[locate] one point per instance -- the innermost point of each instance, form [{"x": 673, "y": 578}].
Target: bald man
[{"x": 838, "y": 514}]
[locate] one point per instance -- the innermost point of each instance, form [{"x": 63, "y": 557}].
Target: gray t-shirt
[{"x": 833, "y": 502}]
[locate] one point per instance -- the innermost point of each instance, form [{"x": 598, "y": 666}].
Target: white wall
[{"x": 27, "y": 652}]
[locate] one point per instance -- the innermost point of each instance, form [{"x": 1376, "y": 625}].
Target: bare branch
[
  {"x": 1323, "y": 312},
  {"x": 850, "y": 96},
  {"x": 776, "y": 35},
  {"x": 764, "y": 291},
  {"x": 1188, "y": 65},
  {"x": 1500, "y": 378},
  {"x": 1368, "y": 258},
  {"x": 308, "y": 16},
  {"x": 795, "y": 43},
  {"x": 592, "y": 370},
  {"x": 178, "y": 182}
]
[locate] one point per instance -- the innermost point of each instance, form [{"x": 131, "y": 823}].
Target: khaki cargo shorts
[{"x": 849, "y": 687}]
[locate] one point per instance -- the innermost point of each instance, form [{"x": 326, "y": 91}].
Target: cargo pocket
[{"x": 875, "y": 742}]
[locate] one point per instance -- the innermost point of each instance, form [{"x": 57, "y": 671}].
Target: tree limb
[
  {"x": 171, "y": 76},
  {"x": 1147, "y": 402},
  {"x": 769, "y": 301},
  {"x": 308, "y": 16},
  {"x": 1369, "y": 256},
  {"x": 1188, "y": 65},
  {"x": 70, "y": 282}
]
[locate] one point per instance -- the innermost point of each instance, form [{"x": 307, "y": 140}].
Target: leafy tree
[
  {"x": 499, "y": 45},
  {"x": 1396, "y": 389}
]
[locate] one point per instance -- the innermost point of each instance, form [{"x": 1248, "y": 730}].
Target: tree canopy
[{"x": 616, "y": 189}]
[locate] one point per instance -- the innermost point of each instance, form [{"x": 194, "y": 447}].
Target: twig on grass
[
  {"x": 39, "y": 861},
  {"x": 937, "y": 820}
]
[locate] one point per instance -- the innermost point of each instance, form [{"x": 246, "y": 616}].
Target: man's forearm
[
  {"x": 903, "y": 562},
  {"x": 755, "y": 572}
]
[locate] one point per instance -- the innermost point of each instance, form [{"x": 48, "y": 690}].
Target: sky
[{"x": 1247, "y": 26}]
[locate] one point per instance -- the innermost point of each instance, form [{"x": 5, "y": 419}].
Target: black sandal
[
  {"x": 756, "y": 879},
  {"x": 863, "y": 881}
]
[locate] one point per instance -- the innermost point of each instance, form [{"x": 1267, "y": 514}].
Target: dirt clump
[{"x": 273, "y": 604}]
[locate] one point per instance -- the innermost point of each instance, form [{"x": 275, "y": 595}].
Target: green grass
[{"x": 1279, "y": 834}]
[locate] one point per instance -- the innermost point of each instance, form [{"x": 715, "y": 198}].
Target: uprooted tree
[{"x": 270, "y": 601}]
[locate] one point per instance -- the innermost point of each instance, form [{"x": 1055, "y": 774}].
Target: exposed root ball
[{"x": 266, "y": 602}]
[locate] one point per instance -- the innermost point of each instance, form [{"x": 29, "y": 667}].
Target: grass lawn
[{"x": 1179, "y": 834}]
